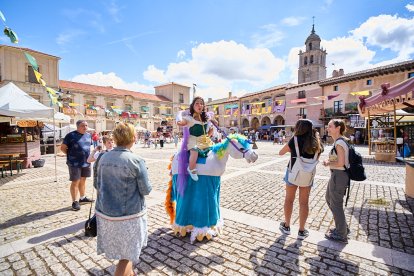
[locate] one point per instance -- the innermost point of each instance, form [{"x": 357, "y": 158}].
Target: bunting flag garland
[
  {"x": 52, "y": 91},
  {"x": 11, "y": 34},
  {"x": 53, "y": 94},
  {"x": 39, "y": 77},
  {"x": 360, "y": 93},
  {"x": 321, "y": 98},
  {"x": 32, "y": 61},
  {"x": 330, "y": 97},
  {"x": 2, "y": 17}
]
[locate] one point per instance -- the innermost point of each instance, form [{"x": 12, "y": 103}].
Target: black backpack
[{"x": 356, "y": 170}]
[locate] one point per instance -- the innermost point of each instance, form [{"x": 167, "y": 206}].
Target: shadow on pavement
[
  {"x": 10, "y": 178},
  {"x": 277, "y": 258},
  {"x": 329, "y": 261},
  {"x": 57, "y": 233},
  {"x": 389, "y": 227},
  {"x": 174, "y": 252},
  {"x": 28, "y": 217},
  {"x": 169, "y": 254}
]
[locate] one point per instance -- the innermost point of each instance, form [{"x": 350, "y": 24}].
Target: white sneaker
[{"x": 193, "y": 174}]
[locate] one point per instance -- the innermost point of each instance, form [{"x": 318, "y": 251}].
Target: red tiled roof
[
  {"x": 109, "y": 90},
  {"x": 29, "y": 50}
]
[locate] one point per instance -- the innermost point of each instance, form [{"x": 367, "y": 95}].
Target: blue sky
[{"x": 234, "y": 45}]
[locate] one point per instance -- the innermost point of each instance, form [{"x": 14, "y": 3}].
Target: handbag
[
  {"x": 303, "y": 171},
  {"x": 91, "y": 228}
]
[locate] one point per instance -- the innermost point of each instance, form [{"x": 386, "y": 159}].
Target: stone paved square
[{"x": 40, "y": 235}]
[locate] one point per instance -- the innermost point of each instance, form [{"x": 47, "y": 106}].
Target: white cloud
[
  {"x": 293, "y": 63},
  {"x": 410, "y": 7},
  {"x": 388, "y": 32},
  {"x": 111, "y": 79},
  {"x": 347, "y": 53},
  {"x": 269, "y": 36},
  {"x": 218, "y": 66},
  {"x": 181, "y": 54},
  {"x": 114, "y": 11},
  {"x": 68, "y": 36},
  {"x": 154, "y": 75},
  {"x": 293, "y": 21},
  {"x": 356, "y": 51}
]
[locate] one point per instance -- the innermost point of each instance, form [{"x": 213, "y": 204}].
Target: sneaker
[
  {"x": 85, "y": 200},
  {"x": 285, "y": 230},
  {"x": 333, "y": 230},
  {"x": 303, "y": 234},
  {"x": 335, "y": 237},
  {"x": 193, "y": 174},
  {"x": 75, "y": 206}
]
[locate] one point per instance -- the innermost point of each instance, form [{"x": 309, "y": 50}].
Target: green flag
[
  {"x": 2, "y": 17},
  {"x": 32, "y": 61},
  {"x": 11, "y": 34}
]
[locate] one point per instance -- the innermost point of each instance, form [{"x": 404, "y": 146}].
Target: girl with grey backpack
[{"x": 305, "y": 149}]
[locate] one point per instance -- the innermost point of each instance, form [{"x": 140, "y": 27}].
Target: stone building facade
[{"x": 101, "y": 106}]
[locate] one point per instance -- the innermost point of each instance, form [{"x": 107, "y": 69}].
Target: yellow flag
[
  {"x": 54, "y": 100},
  {"x": 39, "y": 78},
  {"x": 73, "y": 104},
  {"x": 361, "y": 93},
  {"x": 51, "y": 91},
  {"x": 60, "y": 104}
]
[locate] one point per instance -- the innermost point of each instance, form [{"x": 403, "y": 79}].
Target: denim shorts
[{"x": 76, "y": 173}]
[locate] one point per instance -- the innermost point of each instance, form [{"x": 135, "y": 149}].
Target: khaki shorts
[{"x": 76, "y": 173}]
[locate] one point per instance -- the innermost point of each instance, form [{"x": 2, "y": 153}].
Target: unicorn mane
[{"x": 220, "y": 148}]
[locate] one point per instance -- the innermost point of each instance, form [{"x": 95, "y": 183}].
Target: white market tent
[{"x": 14, "y": 102}]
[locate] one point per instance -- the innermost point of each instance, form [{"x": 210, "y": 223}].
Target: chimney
[
  {"x": 229, "y": 94},
  {"x": 341, "y": 72},
  {"x": 210, "y": 100},
  {"x": 334, "y": 73}
]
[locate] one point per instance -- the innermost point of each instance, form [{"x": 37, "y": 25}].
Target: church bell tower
[{"x": 312, "y": 62}]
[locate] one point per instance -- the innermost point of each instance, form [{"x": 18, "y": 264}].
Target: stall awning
[
  {"x": 402, "y": 95},
  {"x": 14, "y": 102}
]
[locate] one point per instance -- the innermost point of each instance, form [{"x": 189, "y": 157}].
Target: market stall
[
  {"x": 19, "y": 127},
  {"x": 383, "y": 108}
]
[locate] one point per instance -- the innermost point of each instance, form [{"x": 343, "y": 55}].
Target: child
[
  {"x": 200, "y": 132},
  {"x": 108, "y": 141}
]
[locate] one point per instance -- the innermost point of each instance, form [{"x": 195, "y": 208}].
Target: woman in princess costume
[{"x": 193, "y": 197}]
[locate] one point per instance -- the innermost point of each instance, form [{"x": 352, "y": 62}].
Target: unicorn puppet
[{"x": 194, "y": 205}]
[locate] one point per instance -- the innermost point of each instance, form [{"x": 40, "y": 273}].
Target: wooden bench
[
  {"x": 6, "y": 164},
  {"x": 3, "y": 169}
]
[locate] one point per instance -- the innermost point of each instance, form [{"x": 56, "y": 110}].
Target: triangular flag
[
  {"x": 2, "y": 17},
  {"x": 51, "y": 91},
  {"x": 11, "y": 34},
  {"x": 38, "y": 75},
  {"x": 32, "y": 61}
]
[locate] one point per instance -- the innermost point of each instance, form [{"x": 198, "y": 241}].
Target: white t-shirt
[{"x": 333, "y": 156}]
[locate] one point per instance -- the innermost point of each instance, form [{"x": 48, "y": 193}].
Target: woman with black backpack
[{"x": 339, "y": 181}]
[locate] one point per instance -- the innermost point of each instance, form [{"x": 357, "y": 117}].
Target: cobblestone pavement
[{"x": 32, "y": 203}]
